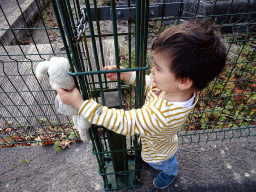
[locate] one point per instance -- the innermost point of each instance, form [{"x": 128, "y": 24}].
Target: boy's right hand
[
  {"x": 72, "y": 98},
  {"x": 125, "y": 76}
]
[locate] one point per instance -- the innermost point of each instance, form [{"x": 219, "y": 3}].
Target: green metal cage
[{"x": 118, "y": 157}]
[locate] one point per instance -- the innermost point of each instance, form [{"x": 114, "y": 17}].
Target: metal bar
[
  {"x": 99, "y": 152},
  {"x": 57, "y": 16},
  {"x": 128, "y": 12},
  {"x": 85, "y": 46},
  {"x": 100, "y": 41},
  {"x": 94, "y": 49},
  {"x": 144, "y": 51},
  {"x": 129, "y": 37},
  {"x": 75, "y": 58},
  {"x": 24, "y": 19},
  {"x": 116, "y": 51},
  {"x": 137, "y": 48},
  {"x": 77, "y": 9},
  {"x": 70, "y": 14},
  {"x": 141, "y": 51},
  {"x": 109, "y": 71},
  {"x": 44, "y": 26},
  {"x": 162, "y": 18}
]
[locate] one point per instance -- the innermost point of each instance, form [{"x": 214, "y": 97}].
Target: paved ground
[
  {"x": 9, "y": 7},
  {"x": 213, "y": 166},
  {"x": 11, "y": 15}
]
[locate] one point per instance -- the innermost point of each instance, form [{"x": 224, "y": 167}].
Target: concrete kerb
[{"x": 16, "y": 20}]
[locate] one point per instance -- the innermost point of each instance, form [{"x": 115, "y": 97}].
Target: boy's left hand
[{"x": 72, "y": 98}]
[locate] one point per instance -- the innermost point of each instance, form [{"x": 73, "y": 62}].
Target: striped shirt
[{"x": 157, "y": 122}]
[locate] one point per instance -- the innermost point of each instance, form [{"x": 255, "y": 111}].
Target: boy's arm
[
  {"x": 144, "y": 121},
  {"x": 128, "y": 77},
  {"x": 151, "y": 119}
]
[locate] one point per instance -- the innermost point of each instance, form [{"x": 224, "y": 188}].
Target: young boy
[{"x": 186, "y": 58}]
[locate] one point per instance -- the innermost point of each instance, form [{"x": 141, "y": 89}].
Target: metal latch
[{"x": 125, "y": 12}]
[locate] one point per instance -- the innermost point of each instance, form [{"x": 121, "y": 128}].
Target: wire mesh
[
  {"x": 226, "y": 106},
  {"x": 27, "y": 107}
]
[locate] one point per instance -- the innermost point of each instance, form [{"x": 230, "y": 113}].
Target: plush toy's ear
[{"x": 42, "y": 69}]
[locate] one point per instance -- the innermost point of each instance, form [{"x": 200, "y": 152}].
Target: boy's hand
[
  {"x": 125, "y": 76},
  {"x": 73, "y": 98}
]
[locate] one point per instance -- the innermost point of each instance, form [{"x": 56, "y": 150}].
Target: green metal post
[
  {"x": 74, "y": 54},
  {"x": 88, "y": 10},
  {"x": 117, "y": 142}
]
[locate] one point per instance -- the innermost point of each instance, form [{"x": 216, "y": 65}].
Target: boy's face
[{"x": 163, "y": 77}]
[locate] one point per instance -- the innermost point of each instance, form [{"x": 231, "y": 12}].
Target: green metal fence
[
  {"x": 226, "y": 105},
  {"x": 226, "y": 108},
  {"x": 28, "y": 36}
]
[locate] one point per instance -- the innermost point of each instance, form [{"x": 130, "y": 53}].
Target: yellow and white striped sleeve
[
  {"x": 142, "y": 121},
  {"x": 148, "y": 82}
]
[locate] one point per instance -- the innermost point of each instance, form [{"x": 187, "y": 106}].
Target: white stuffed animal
[{"x": 57, "y": 69}]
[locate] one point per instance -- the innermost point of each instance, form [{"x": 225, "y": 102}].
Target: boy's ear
[{"x": 185, "y": 83}]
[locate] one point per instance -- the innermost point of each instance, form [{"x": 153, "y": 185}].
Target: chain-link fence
[
  {"x": 29, "y": 35},
  {"x": 226, "y": 108}
]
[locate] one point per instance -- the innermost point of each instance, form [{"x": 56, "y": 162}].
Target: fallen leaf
[
  {"x": 25, "y": 161},
  {"x": 40, "y": 131},
  {"x": 38, "y": 139},
  {"x": 25, "y": 144},
  {"x": 253, "y": 111},
  {"x": 17, "y": 138},
  {"x": 65, "y": 143},
  {"x": 49, "y": 127},
  {"x": 28, "y": 138},
  {"x": 44, "y": 138},
  {"x": 44, "y": 143},
  {"x": 216, "y": 92},
  {"x": 8, "y": 130}
]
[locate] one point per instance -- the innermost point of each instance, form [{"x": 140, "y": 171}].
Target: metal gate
[{"x": 92, "y": 34}]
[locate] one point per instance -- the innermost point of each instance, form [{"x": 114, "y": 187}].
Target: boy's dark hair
[{"x": 196, "y": 51}]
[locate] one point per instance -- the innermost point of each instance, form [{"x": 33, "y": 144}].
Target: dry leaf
[
  {"x": 40, "y": 131},
  {"x": 17, "y": 138},
  {"x": 49, "y": 127},
  {"x": 28, "y": 138},
  {"x": 65, "y": 143},
  {"x": 8, "y": 130},
  {"x": 38, "y": 139},
  {"x": 47, "y": 143}
]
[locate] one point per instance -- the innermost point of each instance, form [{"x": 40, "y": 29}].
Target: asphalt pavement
[{"x": 228, "y": 165}]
